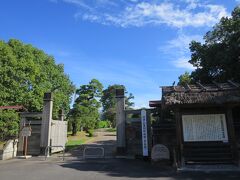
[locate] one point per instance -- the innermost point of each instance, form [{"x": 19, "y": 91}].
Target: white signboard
[
  {"x": 26, "y": 131},
  {"x": 210, "y": 127},
  {"x": 144, "y": 132}
]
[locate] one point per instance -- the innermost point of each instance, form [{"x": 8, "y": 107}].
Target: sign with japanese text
[
  {"x": 209, "y": 127},
  {"x": 144, "y": 132}
]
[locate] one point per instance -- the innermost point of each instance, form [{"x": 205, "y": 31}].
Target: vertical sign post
[
  {"x": 144, "y": 132},
  {"x": 26, "y": 131}
]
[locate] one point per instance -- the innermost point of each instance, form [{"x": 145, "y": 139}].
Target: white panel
[
  {"x": 144, "y": 132},
  {"x": 210, "y": 127}
]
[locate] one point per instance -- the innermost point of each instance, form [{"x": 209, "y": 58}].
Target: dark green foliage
[
  {"x": 85, "y": 112},
  {"x": 109, "y": 102},
  {"x": 9, "y": 124},
  {"x": 26, "y": 73},
  {"x": 218, "y": 58}
]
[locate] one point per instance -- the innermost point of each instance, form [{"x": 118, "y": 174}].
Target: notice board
[{"x": 207, "y": 127}]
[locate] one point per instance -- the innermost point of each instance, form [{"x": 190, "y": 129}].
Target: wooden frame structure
[{"x": 208, "y": 100}]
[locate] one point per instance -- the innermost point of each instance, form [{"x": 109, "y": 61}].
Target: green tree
[
  {"x": 109, "y": 102},
  {"x": 9, "y": 122},
  {"x": 26, "y": 73},
  {"x": 85, "y": 112},
  {"x": 184, "y": 79},
  {"x": 218, "y": 58}
]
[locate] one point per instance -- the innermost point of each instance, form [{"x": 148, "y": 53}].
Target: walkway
[{"x": 104, "y": 139}]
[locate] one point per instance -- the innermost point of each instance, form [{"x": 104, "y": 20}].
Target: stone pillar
[
  {"x": 61, "y": 115},
  {"x": 120, "y": 121},
  {"x": 46, "y": 121}
]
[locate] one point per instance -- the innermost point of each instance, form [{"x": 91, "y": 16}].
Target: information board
[
  {"x": 209, "y": 127},
  {"x": 26, "y": 131}
]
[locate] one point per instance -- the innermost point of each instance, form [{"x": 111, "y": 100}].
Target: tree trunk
[{"x": 74, "y": 129}]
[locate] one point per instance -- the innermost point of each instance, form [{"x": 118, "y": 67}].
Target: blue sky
[{"x": 141, "y": 44}]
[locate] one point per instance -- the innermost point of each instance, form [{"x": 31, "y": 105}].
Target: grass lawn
[{"x": 75, "y": 141}]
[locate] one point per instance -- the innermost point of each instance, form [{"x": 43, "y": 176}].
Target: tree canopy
[
  {"x": 85, "y": 112},
  {"x": 109, "y": 102},
  {"x": 26, "y": 73},
  {"x": 218, "y": 58},
  {"x": 184, "y": 79}
]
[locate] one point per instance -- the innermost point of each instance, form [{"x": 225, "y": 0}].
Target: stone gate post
[
  {"x": 120, "y": 121},
  {"x": 46, "y": 121}
]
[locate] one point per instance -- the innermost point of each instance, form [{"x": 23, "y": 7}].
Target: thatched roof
[{"x": 215, "y": 93}]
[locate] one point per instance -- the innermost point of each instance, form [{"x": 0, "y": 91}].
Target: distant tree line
[
  {"x": 86, "y": 113},
  {"x": 218, "y": 58}
]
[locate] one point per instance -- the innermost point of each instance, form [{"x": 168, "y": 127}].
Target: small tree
[
  {"x": 184, "y": 79},
  {"x": 109, "y": 102},
  {"x": 85, "y": 112}
]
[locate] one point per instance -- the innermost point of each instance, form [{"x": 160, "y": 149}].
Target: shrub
[
  {"x": 104, "y": 124},
  {"x": 90, "y": 132}
]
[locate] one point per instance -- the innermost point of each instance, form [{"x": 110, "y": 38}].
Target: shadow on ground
[
  {"x": 142, "y": 169},
  {"x": 135, "y": 168}
]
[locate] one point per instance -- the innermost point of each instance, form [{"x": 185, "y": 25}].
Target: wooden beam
[
  {"x": 174, "y": 88},
  {"x": 217, "y": 85},
  {"x": 233, "y": 84},
  {"x": 202, "y": 87},
  {"x": 232, "y": 137},
  {"x": 179, "y": 147},
  {"x": 188, "y": 87}
]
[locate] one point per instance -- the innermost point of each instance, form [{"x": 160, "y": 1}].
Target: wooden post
[
  {"x": 61, "y": 115},
  {"x": 120, "y": 121},
  {"x": 179, "y": 150},
  {"x": 25, "y": 145},
  {"x": 231, "y": 132}
]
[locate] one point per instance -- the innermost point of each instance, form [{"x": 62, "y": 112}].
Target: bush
[
  {"x": 9, "y": 124},
  {"x": 90, "y": 132},
  {"x": 104, "y": 124}
]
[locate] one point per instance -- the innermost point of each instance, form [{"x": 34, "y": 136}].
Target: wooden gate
[{"x": 35, "y": 121}]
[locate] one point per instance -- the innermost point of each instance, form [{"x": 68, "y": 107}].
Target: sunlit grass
[{"x": 75, "y": 141}]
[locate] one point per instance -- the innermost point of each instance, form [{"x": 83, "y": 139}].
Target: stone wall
[{"x": 9, "y": 150}]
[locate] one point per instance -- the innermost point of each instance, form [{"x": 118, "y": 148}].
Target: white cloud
[
  {"x": 125, "y": 13},
  {"x": 182, "y": 62},
  {"x": 178, "y": 50}
]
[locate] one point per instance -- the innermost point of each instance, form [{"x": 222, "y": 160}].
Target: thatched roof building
[{"x": 197, "y": 94}]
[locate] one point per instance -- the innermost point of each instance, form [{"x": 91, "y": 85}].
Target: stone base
[{"x": 24, "y": 157}]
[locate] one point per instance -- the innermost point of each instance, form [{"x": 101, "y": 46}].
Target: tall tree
[
  {"x": 85, "y": 112},
  {"x": 109, "y": 102},
  {"x": 218, "y": 58},
  {"x": 26, "y": 73}
]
